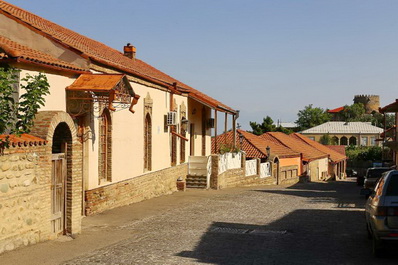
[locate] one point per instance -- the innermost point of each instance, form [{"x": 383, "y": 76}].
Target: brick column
[{"x": 214, "y": 181}]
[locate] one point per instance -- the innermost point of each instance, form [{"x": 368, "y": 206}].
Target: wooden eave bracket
[{"x": 179, "y": 135}]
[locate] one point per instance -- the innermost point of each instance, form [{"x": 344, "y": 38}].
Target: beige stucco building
[
  {"x": 346, "y": 133},
  {"x": 116, "y": 129}
]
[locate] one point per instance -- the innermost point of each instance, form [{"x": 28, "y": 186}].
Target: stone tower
[{"x": 371, "y": 102}]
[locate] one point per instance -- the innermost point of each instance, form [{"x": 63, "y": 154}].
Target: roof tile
[
  {"x": 14, "y": 49},
  {"x": 101, "y": 53},
  {"x": 343, "y": 127},
  {"x": 309, "y": 152},
  {"x": 334, "y": 155}
]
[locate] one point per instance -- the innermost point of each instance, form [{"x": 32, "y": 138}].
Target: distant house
[
  {"x": 314, "y": 161},
  {"x": 335, "y": 113},
  {"x": 286, "y": 162},
  {"x": 337, "y": 161},
  {"x": 346, "y": 133}
]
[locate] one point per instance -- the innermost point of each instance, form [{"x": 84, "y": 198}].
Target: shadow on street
[{"x": 304, "y": 236}]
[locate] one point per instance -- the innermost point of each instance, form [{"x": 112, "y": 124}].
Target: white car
[{"x": 382, "y": 212}]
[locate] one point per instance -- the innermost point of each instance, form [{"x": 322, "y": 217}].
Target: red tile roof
[
  {"x": 334, "y": 156},
  {"x": 23, "y": 140},
  {"x": 336, "y": 110},
  {"x": 338, "y": 148},
  {"x": 254, "y": 146},
  {"x": 26, "y": 54},
  {"x": 309, "y": 152},
  {"x": 103, "y": 54},
  {"x": 226, "y": 139}
]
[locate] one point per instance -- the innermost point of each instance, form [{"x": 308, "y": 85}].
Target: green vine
[{"x": 17, "y": 116}]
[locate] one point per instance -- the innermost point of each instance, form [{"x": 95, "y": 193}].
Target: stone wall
[
  {"x": 236, "y": 177},
  {"x": 289, "y": 175},
  {"x": 25, "y": 196},
  {"x": 133, "y": 190}
]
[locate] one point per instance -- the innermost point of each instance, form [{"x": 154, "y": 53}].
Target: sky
[{"x": 264, "y": 58}]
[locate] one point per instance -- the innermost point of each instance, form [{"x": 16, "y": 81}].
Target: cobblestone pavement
[{"x": 312, "y": 223}]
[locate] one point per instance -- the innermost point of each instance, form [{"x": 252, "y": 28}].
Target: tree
[
  {"x": 310, "y": 117},
  {"x": 326, "y": 139},
  {"x": 355, "y": 112},
  {"x": 267, "y": 126},
  {"x": 17, "y": 115}
]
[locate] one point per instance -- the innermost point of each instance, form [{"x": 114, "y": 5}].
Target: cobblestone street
[{"x": 312, "y": 223}]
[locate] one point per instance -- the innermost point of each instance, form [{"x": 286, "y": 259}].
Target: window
[
  {"x": 353, "y": 140},
  {"x": 344, "y": 140},
  {"x": 364, "y": 141},
  {"x": 372, "y": 141},
  {"x": 105, "y": 149},
  {"x": 312, "y": 138},
  {"x": 148, "y": 143}
]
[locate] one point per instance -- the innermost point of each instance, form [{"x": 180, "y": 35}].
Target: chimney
[{"x": 129, "y": 51}]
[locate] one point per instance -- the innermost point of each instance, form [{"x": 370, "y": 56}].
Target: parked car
[
  {"x": 372, "y": 176},
  {"x": 381, "y": 212}
]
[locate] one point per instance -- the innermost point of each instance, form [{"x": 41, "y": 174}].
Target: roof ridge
[{"x": 100, "y": 52}]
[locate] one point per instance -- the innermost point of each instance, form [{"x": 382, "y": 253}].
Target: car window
[
  {"x": 379, "y": 190},
  {"x": 392, "y": 188},
  {"x": 376, "y": 173}
]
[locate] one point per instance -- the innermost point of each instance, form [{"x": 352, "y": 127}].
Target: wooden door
[{"x": 58, "y": 193}]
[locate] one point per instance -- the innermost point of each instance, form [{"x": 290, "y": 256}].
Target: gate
[{"x": 58, "y": 174}]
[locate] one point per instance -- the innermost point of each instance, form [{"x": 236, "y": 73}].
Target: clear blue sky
[{"x": 261, "y": 57}]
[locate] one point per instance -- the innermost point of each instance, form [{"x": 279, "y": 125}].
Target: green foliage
[
  {"x": 356, "y": 112},
  {"x": 364, "y": 153},
  {"x": 228, "y": 148},
  {"x": 36, "y": 87},
  {"x": 327, "y": 140},
  {"x": 310, "y": 117},
  {"x": 267, "y": 126},
  {"x": 17, "y": 117}
]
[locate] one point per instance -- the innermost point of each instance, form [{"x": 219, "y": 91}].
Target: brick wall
[{"x": 133, "y": 190}]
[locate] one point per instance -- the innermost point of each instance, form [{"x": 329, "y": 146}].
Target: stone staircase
[{"x": 196, "y": 182}]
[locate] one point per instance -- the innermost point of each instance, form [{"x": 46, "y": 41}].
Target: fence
[
  {"x": 251, "y": 167},
  {"x": 229, "y": 161},
  {"x": 265, "y": 170}
]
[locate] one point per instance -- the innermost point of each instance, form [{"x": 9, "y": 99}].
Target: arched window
[
  {"x": 343, "y": 140},
  {"x": 105, "y": 150},
  {"x": 335, "y": 140},
  {"x": 148, "y": 143},
  {"x": 353, "y": 140}
]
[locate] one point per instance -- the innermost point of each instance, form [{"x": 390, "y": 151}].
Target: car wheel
[{"x": 377, "y": 247}]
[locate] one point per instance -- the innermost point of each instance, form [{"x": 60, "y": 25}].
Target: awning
[
  {"x": 393, "y": 107},
  {"x": 108, "y": 88}
]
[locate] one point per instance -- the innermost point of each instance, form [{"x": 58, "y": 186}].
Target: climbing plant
[{"x": 17, "y": 113}]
